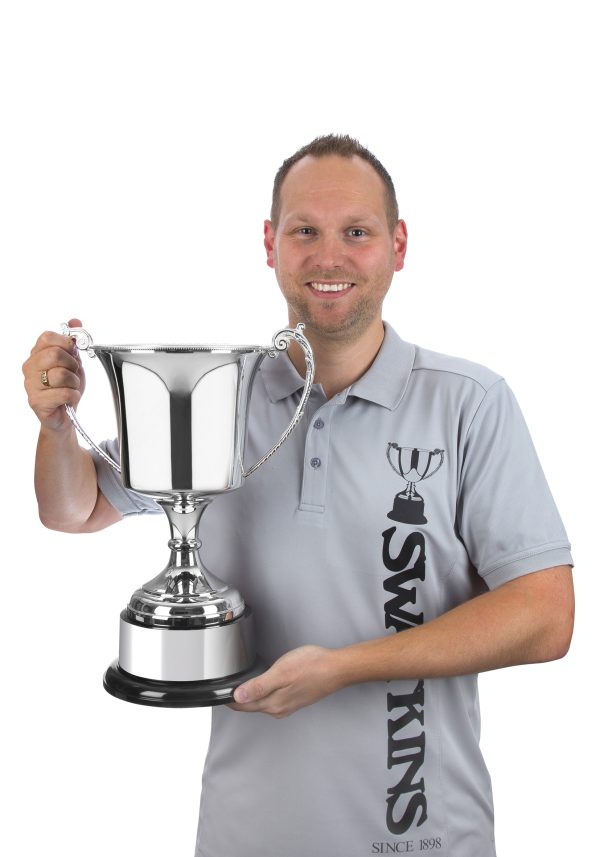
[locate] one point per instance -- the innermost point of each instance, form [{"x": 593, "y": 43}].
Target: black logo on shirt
[
  {"x": 414, "y": 465},
  {"x": 406, "y": 801}
]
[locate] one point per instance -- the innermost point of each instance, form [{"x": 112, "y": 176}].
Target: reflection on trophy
[
  {"x": 186, "y": 636},
  {"x": 414, "y": 465}
]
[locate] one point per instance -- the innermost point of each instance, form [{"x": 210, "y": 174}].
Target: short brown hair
[{"x": 345, "y": 147}]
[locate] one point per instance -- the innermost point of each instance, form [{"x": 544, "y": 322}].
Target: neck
[{"x": 339, "y": 364}]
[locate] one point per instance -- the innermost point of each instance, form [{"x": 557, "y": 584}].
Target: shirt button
[
  {"x": 315, "y": 462},
  {"x": 318, "y": 424}
]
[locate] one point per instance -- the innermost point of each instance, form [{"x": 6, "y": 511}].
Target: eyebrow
[{"x": 354, "y": 218}]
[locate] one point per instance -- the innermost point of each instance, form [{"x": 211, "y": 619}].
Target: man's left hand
[{"x": 298, "y": 678}]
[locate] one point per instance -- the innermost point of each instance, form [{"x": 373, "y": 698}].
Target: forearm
[
  {"x": 526, "y": 620},
  {"x": 521, "y": 622},
  {"x": 65, "y": 481}
]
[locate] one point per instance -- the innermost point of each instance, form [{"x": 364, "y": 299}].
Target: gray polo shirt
[{"x": 406, "y": 494}]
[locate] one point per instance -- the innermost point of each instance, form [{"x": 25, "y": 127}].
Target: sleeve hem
[
  {"x": 125, "y": 501},
  {"x": 537, "y": 559}
]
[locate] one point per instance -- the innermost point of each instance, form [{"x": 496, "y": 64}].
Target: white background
[{"x": 139, "y": 143}]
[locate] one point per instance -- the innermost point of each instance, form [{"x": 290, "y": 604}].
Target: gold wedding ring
[{"x": 44, "y": 378}]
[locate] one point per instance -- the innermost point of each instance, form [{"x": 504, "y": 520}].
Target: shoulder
[
  {"x": 428, "y": 361},
  {"x": 430, "y": 375}
]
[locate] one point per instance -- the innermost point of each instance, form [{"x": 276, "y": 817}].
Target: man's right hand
[
  {"x": 59, "y": 358},
  {"x": 66, "y": 483}
]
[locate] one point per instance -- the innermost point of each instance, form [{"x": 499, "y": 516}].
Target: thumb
[{"x": 253, "y": 690}]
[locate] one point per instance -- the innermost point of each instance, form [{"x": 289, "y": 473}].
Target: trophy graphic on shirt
[
  {"x": 414, "y": 465},
  {"x": 186, "y": 636}
]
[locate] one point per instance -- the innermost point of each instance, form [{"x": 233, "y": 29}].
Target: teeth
[{"x": 331, "y": 287}]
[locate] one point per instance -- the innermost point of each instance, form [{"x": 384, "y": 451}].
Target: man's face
[{"x": 333, "y": 231}]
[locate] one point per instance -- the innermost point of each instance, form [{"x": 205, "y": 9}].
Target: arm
[
  {"x": 66, "y": 485},
  {"x": 65, "y": 476},
  {"x": 527, "y": 620}
]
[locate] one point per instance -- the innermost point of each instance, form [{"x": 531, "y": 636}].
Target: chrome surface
[
  {"x": 182, "y": 418},
  {"x": 190, "y": 655},
  {"x": 185, "y": 594},
  {"x": 182, "y": 411}
]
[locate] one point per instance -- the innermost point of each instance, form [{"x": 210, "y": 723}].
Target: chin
[{"x": 343, "y": 330}]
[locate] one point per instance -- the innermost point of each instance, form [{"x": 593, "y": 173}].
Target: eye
[
  {"x": 357, "y": 232},
  {"x": 306, "y": 230}
]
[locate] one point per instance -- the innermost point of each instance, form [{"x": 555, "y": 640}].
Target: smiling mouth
[{"x": 318, "y": 286}]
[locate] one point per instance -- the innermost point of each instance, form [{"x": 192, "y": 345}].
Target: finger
[
  {"x": 58, "y": 377},
  {"x": 50, "y": 337},
  {"x": 250, "y": 707},
  {"x": 53, "y": 357},
  {"x": 256, "y": 689},
  {"x": 240, "y": 694},
  {"x": 275, "y": 704},
  {"x": 45, "y": 402},
  {"x": 75, "y": 322},
  {"x": 235, "y": 707},
  {"x": 60, "y": 396}
]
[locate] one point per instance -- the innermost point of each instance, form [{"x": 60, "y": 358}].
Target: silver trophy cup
[{"x": 185, "y": 637}]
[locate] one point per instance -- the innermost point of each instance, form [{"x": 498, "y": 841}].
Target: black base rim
[{"x": 173, "y": 694}]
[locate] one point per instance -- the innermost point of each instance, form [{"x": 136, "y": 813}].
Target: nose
[{"x": 329, "y": 252}]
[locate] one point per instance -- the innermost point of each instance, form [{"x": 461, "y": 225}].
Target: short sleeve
[
  {"x": 506, "y": 516},
  {"x": 110, "y": 484}
]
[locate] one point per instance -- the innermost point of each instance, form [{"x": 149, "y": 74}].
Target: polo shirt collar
[{"x": 384, "y": 382}]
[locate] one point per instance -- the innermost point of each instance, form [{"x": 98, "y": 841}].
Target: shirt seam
[
  {"x": 547, "y": 546},
  {"x": 458, "y": 374},
  {"x": 460, "y": 469},
  {"x": 489, "y": 389}
]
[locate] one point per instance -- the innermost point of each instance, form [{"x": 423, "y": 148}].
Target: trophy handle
[
  {"x": 394, "y": 468},
  {"x": 84, "y": 342},
  {"x": 281, "y": 341},
  {"x": 439, "y": 452}
]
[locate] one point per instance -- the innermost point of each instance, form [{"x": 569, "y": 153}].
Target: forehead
[{"x": 332, "y": 181}]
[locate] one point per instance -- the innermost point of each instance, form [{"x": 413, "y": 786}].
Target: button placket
[{"x": 314, "y": 482}]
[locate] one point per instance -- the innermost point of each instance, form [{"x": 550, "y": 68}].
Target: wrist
[
  {"x": 345, "y": 667},
  {"x": 62, "y": 431},
  {"x": 369, "y": 660}
]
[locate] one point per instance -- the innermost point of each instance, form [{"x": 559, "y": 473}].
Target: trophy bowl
[{"x": 186, "y": 636}]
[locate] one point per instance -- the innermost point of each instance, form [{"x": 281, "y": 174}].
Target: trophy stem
[
  {"x": 185, "y": 593},
  {"x": 185, "y": 574},
  {"x": 184, "y": 515}
]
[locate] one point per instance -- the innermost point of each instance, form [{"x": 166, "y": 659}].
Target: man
[{"x": 401, "y": 543}]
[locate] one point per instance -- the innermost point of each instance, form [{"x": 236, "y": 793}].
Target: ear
[
  {"x": 269, "y": 242},
  {"x": 400, "y": 241}
]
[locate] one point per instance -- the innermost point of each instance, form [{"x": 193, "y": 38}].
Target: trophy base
[
  {"x": 175, "y": 694},
  {"x": 408, "y": 511}
]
